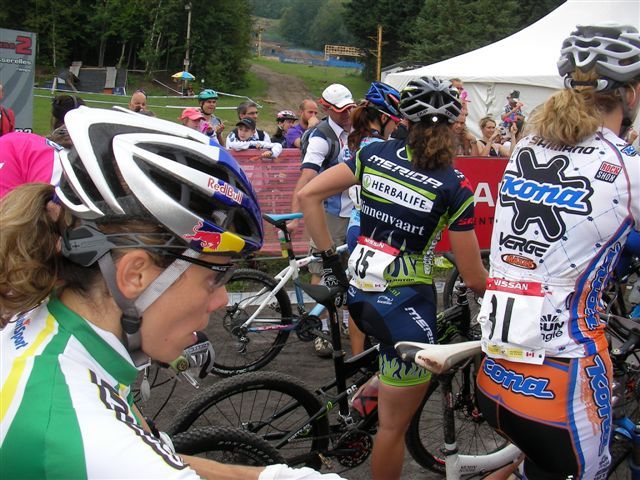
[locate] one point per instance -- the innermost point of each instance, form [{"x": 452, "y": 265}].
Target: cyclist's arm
[
  {"x": 211, "y": 470},
  {"x": 467, "y": 253},
  {"x": 311, "y": 197}
]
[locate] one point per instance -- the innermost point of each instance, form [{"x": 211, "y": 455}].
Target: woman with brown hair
[
  {"x": 409, "y": 193},
  {"x": 568, "y": 200}
]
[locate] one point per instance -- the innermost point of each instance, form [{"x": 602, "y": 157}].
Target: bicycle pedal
[{"x": 325, "y": 461}]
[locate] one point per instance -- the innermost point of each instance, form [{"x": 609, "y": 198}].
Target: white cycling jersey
[{"x": 562, "y": 218}]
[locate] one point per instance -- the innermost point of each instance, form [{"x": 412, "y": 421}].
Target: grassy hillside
[{"x": 316, "y": 79}]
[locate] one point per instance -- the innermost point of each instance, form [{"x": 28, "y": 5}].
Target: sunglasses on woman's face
[{"x": 223, "y": 272}]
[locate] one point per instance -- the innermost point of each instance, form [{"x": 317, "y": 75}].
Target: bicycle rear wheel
[
  {"x": 239, "y": 351},
  {"x": 474, "y": 436},
  {"x": 227, "y": 445},
  {"x": 268, "y": 404}
]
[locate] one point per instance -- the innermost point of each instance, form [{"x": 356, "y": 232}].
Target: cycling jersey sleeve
[{"x": 461, "y": 211}]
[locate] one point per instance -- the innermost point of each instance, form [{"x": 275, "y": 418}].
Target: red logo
[
  {"x": 208, "y": 240},
  {"x": 519, "y": 261}
]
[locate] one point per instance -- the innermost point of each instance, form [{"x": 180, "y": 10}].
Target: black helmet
[{"x": 430, "y": 97}]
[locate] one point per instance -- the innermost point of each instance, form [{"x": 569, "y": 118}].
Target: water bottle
[{"x": 365, "y": 400}]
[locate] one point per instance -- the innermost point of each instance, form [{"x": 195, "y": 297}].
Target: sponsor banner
[
  {"x": 274, "y": 182},
  {"x": 17, "y": 72}
]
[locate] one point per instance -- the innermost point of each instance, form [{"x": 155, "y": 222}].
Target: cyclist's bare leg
[
  {"x": 396, "y": 406},
  {"x": 506, "y": 472},
  {"x": 356, "y": 337}
]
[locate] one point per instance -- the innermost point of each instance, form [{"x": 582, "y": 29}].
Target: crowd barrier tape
[{"x": 275, "y": 181}]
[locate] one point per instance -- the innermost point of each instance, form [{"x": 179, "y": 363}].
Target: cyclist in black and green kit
[{"x": 410, "y": 193}]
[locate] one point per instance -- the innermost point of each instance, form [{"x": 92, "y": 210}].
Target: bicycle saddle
[
  {"x": 320, "y": 293},
  {"x": 437, "y": 358}
]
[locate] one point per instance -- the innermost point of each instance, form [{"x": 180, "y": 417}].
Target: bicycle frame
[{"x": 438, "y": 359}]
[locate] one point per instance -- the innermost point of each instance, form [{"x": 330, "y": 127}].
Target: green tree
[
  {"x": 397, "y": 20},
  {"x": 296, "y": 20},
  {"x": 220, "y": 39},
  {"x": 328, "y": 26},
  {"x": 269, "y": 8}
]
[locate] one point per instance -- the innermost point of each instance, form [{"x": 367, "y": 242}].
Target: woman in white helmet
[
  {"x": 120, "y": 264},
  {"x": 569, "y": 197}
]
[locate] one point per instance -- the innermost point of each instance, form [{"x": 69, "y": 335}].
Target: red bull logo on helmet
[
  {"x": 225, "y": 189},
  {"x": 209, "y": 241}
]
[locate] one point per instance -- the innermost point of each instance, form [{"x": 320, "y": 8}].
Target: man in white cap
[{"x": 323, "y": 147}]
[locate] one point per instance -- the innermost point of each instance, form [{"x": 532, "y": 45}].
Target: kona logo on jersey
[
  {"x": 540, "y": 194},
  {"x": 592, "y": 320},
  {"x": 523, "y": 245},
  {"x": 608, "y": 172},
  {"x": 209, "y": 241},
  {"x": 516, "y": 382},
  {"x": 629, "y": 150},
  {"x": 225, "y": 189},
  {"x": 404, "y": 171},
  {"x": 550, "y": 328},
  {"x": 396, "y": 193},
  {"x": 599, "y": 382},
  {"x": 421, "y": 322},
  {"x": 519, "y": 261},
  {"x": 18, "y": 332}
]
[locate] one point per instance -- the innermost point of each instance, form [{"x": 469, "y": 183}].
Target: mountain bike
[
  {"x": 306, "y": 427},
  {"x": 254, "y": 326}
]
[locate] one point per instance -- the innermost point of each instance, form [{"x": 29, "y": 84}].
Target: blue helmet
[
  {"x": 384, "y": 98},
  {"x": 207, "y": 94}
]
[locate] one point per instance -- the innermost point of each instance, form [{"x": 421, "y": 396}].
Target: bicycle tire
[
  {"x": 257, "y": 349},
  {"x": 227, "y": 445},
  {"x": 424, "y": 438},
  {"x": 268, "y": 404},
  {"x": 448, "y": 294}
]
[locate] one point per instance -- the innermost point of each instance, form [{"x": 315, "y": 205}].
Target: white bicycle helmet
[
  {"x": 612, "y": 49},
  {"x": 429, "y": 97},
  {"x": 125, "y": 166}
]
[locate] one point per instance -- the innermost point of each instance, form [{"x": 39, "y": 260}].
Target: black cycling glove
[{"x": 334, "y": 277}]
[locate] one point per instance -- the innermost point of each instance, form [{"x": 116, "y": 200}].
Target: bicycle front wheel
[
  {"x": 268, "y": 404},
  {"x": 239, "y": 350},
  {"x": 226, "y": 445},
  {"x": 474, "y": 436}
]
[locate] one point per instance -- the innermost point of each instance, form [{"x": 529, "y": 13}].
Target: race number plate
[
  {"x": 368, "y": 262},
  {"x": 510, "y": 320}
]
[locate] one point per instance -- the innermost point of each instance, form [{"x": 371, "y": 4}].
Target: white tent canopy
[{"x": 525, "y": 61}]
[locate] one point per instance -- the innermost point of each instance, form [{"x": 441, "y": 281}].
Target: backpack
[
  {"x": 324, "y": 130},
  {"x": 7, "y": 121}
]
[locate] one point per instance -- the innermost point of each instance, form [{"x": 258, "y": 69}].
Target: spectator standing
[
  {"x": 513, "y": 110},
  {"x": 192, "y": 117},
  {"x": 60, "y": 106},
  {"x": 211, "y": 125},
  {"x": 323, "y": 147},
  {"x": 138, "y": 101},
  {"x": 7, "y": 117},
  {"x": 285, "y": 120},
  {"x": 249, "y": 110},
  {"x": 464, "y": 141},
  {"x": 464, "y": 95},
  {"x": 489, "y": 146},
  {"x": 308, "y": 118},
  {"x": 244, "y": 139}
]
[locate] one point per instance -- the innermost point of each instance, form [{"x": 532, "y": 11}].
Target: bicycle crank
[
  {"x": 308, "y": 328},
  {"x": 353, "y": 448}
]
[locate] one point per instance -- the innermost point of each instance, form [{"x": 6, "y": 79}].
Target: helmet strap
[
  {"x": 133, "y": 310},
  {"x": 627, "y": 112}
]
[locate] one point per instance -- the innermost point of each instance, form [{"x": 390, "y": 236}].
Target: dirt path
[{"x": 285, "y": 91}]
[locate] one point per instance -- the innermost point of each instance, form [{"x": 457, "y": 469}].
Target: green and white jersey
[{"x": 65, "y": 404}]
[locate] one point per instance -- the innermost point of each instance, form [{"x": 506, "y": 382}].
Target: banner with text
[
  {"x": 274, "y": 182},
  {"x": 17, "y": 72}
]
